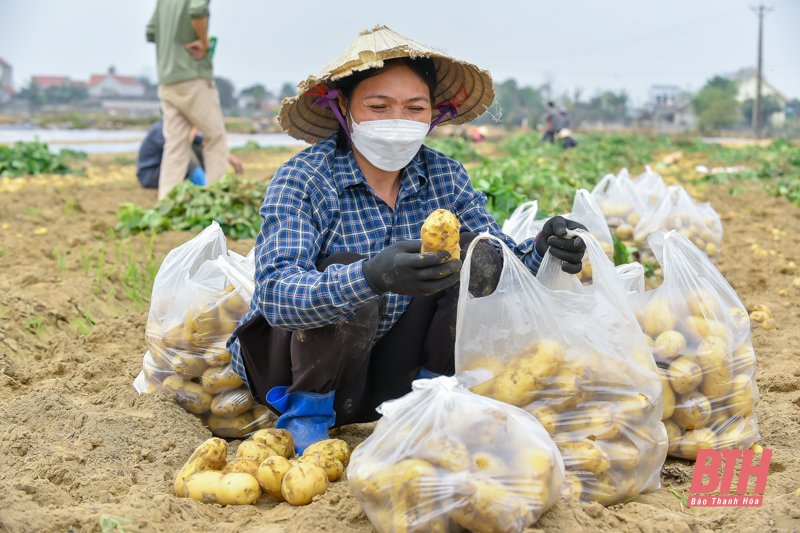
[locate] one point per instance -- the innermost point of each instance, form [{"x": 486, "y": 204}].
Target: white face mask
[{"x": 389, "y": 144}]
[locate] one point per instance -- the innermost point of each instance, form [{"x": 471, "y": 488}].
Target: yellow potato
[
  {"x": 238, "y": 488},
  {"x": 514, "y": 386},
  {"x": 684, "y": 375},
  {"x": 263, "y": 418},
  {"x": 717, "y": 384},
  {"x": 584, "y": 455},
  {"x": 189, "y": 365},
  {"x": 696, "y": 439},
  {"x": 657, "y": 317},
  {"x": 232, "y": 403},
  {"x": 625, "y": 232},
  {"x": 491, "y": 508},
  {"x": 445, "y": 452},
  {"x": 670, "y": 345},
  {"x": 271, "y": 473},
  {"x": 217, "y": 379},
  {"x": 622, "y": 453},
  {"x": 302, "y": 482},
  {"x": 744, "y": 360},
  {"x": 255, "y": 451},
  {"x": 217, "y": 356},
  {"x": 711, "y": 249},
  {"x": 248, "y": 466},
  {"x": 545, "y": 415},
  {"x": 692, "y": 411},
  {"x": 743, "y": 396},
  {"x": 193, "y": 398},
  {"x": 673, "y": 435},
  {"x": 173, "y": 383},
  {"x": 719, "y": 330},
  {"x": 712, "y": 355},
  {"x": 203, "y": 486},
  {"x": 759, "y": 316},
  {"x": 633, "y": 219},
  {"x": 279, "y": 440},
  {"x": 235, "y": 427},
  {"x": 740, "y": 433},
  {"x": 760, "y": 308},
  {"x": 336, "y": 448},
  {"x": 487, "y": 463},
  {"x": 703, "y": 303},
  {"x": 332, "y": 466},
  {"x": 740, "y": 318},
  {"x": 490, "y": 364},
  {"x": 210, "y": 455},
  {"x": 440, "y": 231},
  {"x": 200, "y": 327},
  {"x": 598, "y": 422},
  {"x": 534, "y": 463},
  {"x": 544, "y": 362},
  {"x": 668, "y": 395}
]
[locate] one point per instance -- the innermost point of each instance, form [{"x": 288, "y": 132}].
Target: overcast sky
[{"x": 586, "y": 44}]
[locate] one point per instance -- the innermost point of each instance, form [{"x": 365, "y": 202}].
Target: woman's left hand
[{"x": 568, "y": 249}]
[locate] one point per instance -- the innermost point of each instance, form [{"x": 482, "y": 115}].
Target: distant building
[
  {"x": 6, "y": 82},
  {"x": 747, "y": 80},
  {"x": 112, "y": 85},
  {"x": 45, "y": 82},
  {"x": 670, "y": 108}
]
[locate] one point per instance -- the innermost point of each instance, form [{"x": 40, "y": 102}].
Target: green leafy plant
[
  {"x": 31, "y": 158},
  {"x": 233, "y": 202}
]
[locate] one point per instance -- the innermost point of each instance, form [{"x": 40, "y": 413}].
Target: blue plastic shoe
[
  {"x": 424, "y": 373},
  {"x": 198, "y": 176},
  {"x": 306, "y": 415}
]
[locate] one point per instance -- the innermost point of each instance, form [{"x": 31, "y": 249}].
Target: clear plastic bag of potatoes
[
  {"x": 522, "y": 225},
  {"x": 699, "y": 332},
  {"x": 678, "y": 211},
  {"x": 570, "y": 354},
  {"x": 650, "y": 186},
  {"x": 200, "y": 292},
  {"x": 620, "y": 203},
  {"x": 444, "y": 459}
]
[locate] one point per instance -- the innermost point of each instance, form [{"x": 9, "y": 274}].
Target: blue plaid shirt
[{"x": 319, "y": 203}]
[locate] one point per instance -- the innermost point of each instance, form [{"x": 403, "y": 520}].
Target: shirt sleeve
[
  {"x": 471, "y": 211},
  {"x": 290, "y": 292},
  {"x": 198, "y": 9},
  {"x": 150, "y": 32}
]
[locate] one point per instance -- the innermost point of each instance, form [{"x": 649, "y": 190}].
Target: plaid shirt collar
[{"x": 347, "y": 173}]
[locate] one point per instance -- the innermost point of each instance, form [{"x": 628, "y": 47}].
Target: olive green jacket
[{"x": 171, "y": 29}]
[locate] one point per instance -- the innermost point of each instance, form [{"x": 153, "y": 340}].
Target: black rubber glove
[
  {"x": 554, "y": 237},
  {"x": 401, "y": 268}
]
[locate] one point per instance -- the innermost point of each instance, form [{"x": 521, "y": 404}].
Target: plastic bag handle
[{"x": 508, "y": 264}]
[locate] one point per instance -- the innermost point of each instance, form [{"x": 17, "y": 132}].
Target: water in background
[{"x": 120, "y": 141}]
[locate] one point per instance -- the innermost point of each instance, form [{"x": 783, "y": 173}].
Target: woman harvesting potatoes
[{"x": 348, "y": 310}]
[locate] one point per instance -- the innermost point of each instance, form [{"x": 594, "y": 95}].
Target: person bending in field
[
  {"x": 151, "y": 153},
  {"x": 347, "y": 312}
]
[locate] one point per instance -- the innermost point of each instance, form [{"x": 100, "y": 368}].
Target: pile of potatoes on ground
[
  {"x": 189, "y": 362},
  {"x": 265, "y": 463}
]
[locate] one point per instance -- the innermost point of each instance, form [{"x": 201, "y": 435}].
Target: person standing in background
[
  {"x": 565, "y": 120},
  {"x": 179, "y": 29},
  {"x": 551, "y": 123}
]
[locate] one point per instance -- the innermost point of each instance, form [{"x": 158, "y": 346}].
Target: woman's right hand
[{"x": 401, "y": 268}]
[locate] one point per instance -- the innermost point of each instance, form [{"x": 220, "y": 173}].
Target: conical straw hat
[{"x": 457, "y": 82}]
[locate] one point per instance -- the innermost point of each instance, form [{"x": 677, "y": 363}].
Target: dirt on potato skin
[{"x": 78, "y": 444}]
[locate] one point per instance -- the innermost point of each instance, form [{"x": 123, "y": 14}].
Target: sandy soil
[{"x": 81, "y": 451}]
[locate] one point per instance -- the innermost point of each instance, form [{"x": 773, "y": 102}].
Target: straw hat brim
[{"x": 301, "y": 118}]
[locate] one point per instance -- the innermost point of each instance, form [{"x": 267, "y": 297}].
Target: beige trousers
[{"x": 186, "y": 104}]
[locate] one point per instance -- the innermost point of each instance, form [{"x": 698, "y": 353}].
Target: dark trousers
[{"x": 344, "y": 357}]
